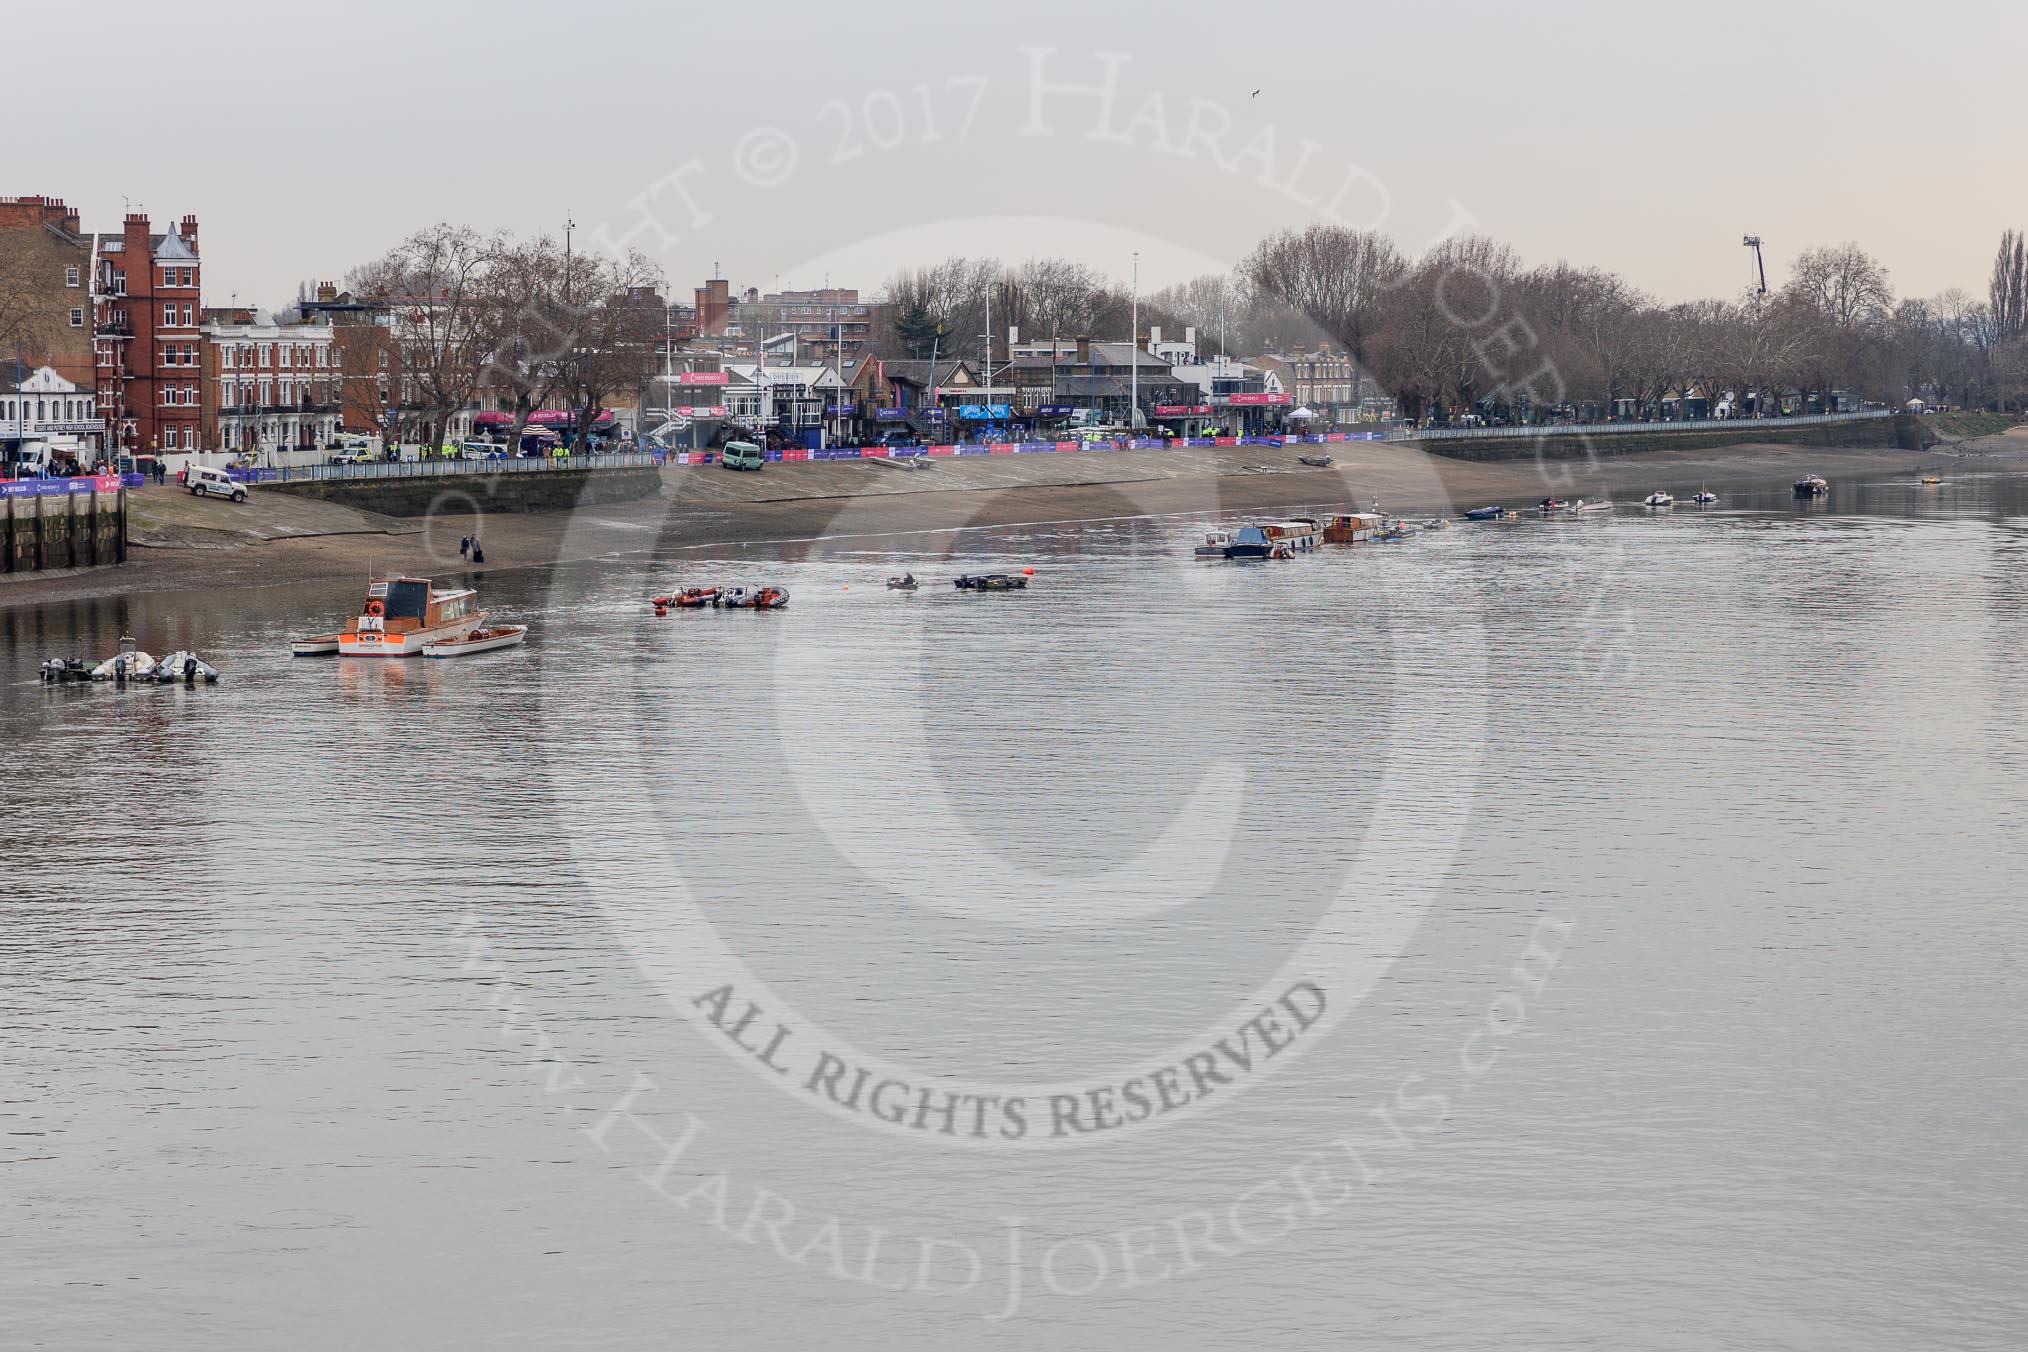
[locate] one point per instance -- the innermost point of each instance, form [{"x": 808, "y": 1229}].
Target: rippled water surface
[{"x": 1661, "y": 874}]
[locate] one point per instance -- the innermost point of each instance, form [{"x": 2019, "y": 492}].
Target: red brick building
[
  {"x": 45, "y": 300},
  {"x": 146, "y": 291}
]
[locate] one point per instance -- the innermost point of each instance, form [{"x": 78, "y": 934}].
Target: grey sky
[{"x": 1645, "y": 140}]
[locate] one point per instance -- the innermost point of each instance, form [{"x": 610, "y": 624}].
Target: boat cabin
[
  {"x": 1349, "y": 528},
  {"x": 406, "y": 604}
]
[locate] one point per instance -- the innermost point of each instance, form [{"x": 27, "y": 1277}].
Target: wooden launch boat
[{"x": 478, "y": 641}]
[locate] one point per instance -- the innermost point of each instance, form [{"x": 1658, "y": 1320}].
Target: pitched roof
[{"x": 171, "y": 248}]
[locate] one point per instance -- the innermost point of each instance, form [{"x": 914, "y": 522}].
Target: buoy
[
  {"x": 1028, "y": 572},
  {"x": 661, "y": 610}
]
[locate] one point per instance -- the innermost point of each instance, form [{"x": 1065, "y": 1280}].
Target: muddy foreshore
[{"x": 178, "y": 544}]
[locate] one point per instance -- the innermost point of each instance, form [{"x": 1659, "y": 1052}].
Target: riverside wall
[
  {"x": 1904, "y": 432},
  {"x": 457, "y": 494},
  {"x": 70, "y": 530}
]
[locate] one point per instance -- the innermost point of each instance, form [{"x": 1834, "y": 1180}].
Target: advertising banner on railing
[{"x": 703, "y": 378}]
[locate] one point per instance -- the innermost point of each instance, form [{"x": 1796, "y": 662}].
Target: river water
[{"x": 1601, "y": 933}]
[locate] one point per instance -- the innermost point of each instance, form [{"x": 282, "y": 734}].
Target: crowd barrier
[
  {"x": 795, "y": 454},
  {"x": 435, "y": 468},
  {"x": 84, "y": 483}
]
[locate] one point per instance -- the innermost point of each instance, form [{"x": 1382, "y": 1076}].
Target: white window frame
[
  {"x": 71, "y": 275},
  {"x": 77, "y": 316}
]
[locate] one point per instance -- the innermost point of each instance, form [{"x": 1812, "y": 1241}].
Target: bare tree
[
  {"x": 23, "y": 311},
  {"x": 2008, "y": 289},
  {"x": 616, "y": 316},
  {"x": 529, "y": 327},
  {"x": 1335, "y": 277},
  {"x": 434, "y": 285}
]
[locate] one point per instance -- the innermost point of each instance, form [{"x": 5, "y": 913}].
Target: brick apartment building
[
  {"x": 364, "y": 358},
  {"x": 45, "y": 291},
  {"x": 270, "y": 387},
  {"x": 146, "y": 291}
]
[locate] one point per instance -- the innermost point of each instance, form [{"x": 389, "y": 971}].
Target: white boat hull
[
  {"x": 371, "y": 643},
  {"x": 511, "y": 635}
]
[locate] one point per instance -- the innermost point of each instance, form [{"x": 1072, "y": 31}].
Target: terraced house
[
  {"x": 145, "y": 297},
  {"x": 274, "y": 386}
]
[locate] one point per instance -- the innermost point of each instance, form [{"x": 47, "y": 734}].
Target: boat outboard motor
[{"x": 190, "y": 670}]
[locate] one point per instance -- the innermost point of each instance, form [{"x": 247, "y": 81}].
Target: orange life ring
[{"x": 375, "y": 608}]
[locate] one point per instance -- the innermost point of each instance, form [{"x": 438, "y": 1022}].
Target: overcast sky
[{"x": 793, "y": 143}]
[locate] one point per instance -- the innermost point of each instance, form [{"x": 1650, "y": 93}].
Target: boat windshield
[{"x": 407, "y": 599}]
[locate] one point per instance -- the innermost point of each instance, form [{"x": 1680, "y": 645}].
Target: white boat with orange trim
[
  {"x": 478, "y": 641},
  {"x": 403, "y": 615}
]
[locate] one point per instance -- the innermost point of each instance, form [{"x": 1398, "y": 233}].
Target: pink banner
[
  {"x": 941, "y": 450},
  {"x": 1066, "y": 445},
  {"x": 703, "y": 378},
  {"x": 1225, "y": 441},
  {"x": 1002, "y": 448}
]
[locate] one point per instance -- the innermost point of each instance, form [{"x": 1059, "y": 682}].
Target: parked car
[
  {"x": 351, "y": 458},
  {"x": 205, "y": 482}
]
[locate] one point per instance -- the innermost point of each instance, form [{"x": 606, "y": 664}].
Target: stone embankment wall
[
  {"x": 459, "y": 494},
  {"x": 63, "y": 530},
  {"x": 1905, "y": 432}
]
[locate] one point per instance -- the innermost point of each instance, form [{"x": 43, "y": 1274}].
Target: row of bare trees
[
  {"x": 529, "y": 322},
  {"x": 1467, "y": 322}
]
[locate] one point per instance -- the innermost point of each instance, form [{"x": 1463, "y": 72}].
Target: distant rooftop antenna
[{"x": 1753, "y": 242}]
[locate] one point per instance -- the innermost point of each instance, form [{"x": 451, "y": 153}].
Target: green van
[{"x": 741, "y": 455}]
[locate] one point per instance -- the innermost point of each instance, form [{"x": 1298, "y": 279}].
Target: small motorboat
[
  {"x": 1812, "y": 486},
  {"x": 316, "y": 645},
  {"x": 906, "y": 582},
  {"x": 1485, "y": 514},
  {"x": 66, "y": 669},
  {"x": 128, "y": 664},
  {"x": 1253, "y": 542},
  {"x": 985, "y": 582},
  {"x": 1705, "y": 497},
  {"x": 1216, "y": 542},
  {"x": 752, "y": 598},
  {"x": 402, "y": 615},
  {"x": 186, "y": 668},
  {"x": 1553, "y": 507},
  {"x": 1437, "y": 523},
  {"x": 1932, "y": 479},
  {"x": 1658, "y": 499},
  {"x": 690, "y": 598},
  {"x": 1593, "y": 505},
  {"x": 1314, "y": 461},
  {"x": 478, "y": 641}
]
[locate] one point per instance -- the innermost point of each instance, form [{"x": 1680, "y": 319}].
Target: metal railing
[
  {"x": 435, "y": 468},
  {"x": 1626, "y": 428}
]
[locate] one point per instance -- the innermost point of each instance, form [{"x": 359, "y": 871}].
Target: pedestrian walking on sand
[
  {"x": 478, "y": 554},
  {"x": 464, "y": 546}
]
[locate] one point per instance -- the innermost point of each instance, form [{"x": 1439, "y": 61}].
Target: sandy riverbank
[{"x": 183, "y": 544}]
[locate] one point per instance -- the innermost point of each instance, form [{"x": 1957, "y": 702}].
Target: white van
[{"x": 206, "y": 482}]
